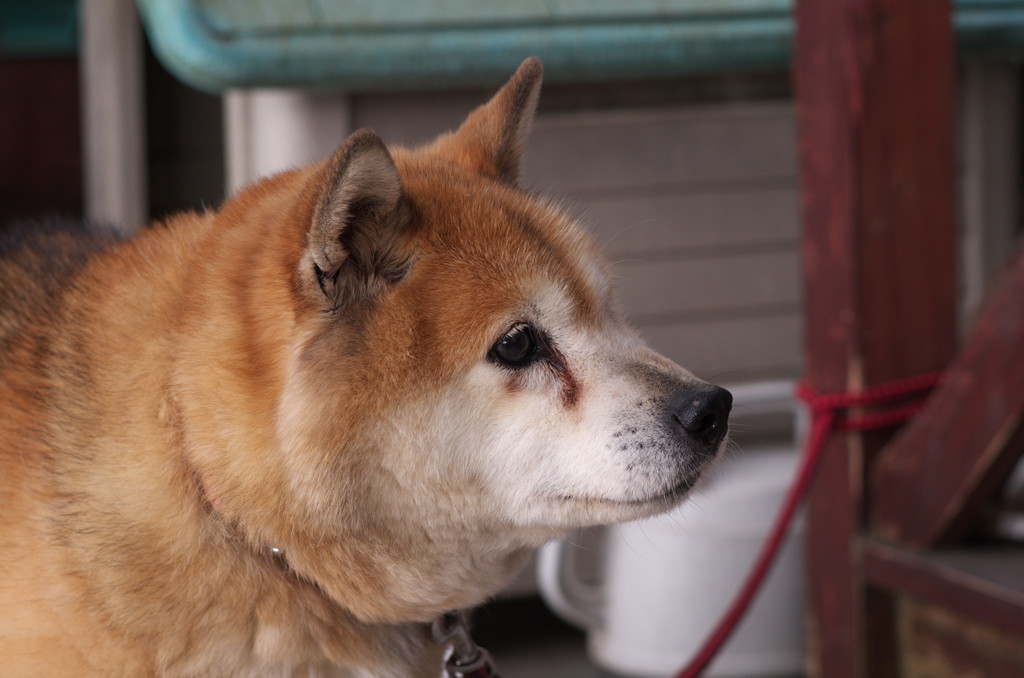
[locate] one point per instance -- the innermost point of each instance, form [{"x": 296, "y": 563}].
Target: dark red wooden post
[
  {"x": 874, "y": 88},
  {"x": 933, "y": 480}
]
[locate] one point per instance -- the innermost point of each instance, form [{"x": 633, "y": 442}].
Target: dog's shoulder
[
  {"x": 48, "y": 250},
  {"x": 37, "y": 258}
]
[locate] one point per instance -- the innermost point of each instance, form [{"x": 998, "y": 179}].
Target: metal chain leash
[{"x": 466, "y": 659}]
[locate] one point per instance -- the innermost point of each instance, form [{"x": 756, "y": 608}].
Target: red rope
[{"x": 825, "y": 413}]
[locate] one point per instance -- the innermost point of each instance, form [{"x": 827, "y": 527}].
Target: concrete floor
[{"x": 528, "y": 641}]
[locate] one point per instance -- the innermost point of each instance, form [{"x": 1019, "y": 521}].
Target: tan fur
[{"x": 304, "y": 369}]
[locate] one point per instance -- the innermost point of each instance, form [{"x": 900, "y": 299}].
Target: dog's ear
[
  {"x": 355, "y": 238},
  {"x": 492, "y": 138}
]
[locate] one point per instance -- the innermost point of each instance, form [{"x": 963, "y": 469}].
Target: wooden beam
[
  {"x": 874, "y": 86},
  {"x": 938, "y": 643},
  {"x": 938, "y": 472},
  {"x": 986, "y": 585}
]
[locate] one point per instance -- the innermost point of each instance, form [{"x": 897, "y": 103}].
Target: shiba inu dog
[{"x": 281, "y": 438}]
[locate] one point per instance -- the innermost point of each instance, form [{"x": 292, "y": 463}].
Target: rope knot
[{"x": 829, "y": 406}]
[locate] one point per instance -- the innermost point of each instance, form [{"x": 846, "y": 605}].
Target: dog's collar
[
  {"x": 463, "y": 657},
  {"x": 214, "y": 507}
]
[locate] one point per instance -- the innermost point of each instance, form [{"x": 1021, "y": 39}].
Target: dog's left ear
[
  {"x": 492, "y": 138},
  {"x": 355, "y": 245}
]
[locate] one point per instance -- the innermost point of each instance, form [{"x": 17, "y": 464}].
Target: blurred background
[{"x": 668, "y": 126}]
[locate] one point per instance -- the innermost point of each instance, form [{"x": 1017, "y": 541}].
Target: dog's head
[{"x": 461, "y": 385}]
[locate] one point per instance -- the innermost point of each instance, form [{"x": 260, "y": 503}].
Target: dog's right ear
[
  {"x": 492, "y": 138},
  {"x": 355, "y": 247}
]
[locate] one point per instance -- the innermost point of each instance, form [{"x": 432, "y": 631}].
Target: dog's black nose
[{"x": 703, "y": 413}]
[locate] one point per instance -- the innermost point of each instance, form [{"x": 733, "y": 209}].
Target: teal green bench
[{"x": 366, "y": 45}]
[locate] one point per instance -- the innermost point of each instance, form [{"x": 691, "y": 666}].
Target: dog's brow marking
[
  {"x": 570, "y": 389},
  {"x": 570, "y": 385}
]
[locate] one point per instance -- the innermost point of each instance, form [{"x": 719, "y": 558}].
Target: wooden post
[
  {"x": 874, "y": 88},
  {"x": 932, "y": 481}
]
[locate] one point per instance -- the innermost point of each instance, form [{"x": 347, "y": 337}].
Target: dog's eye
[{"x": 517, "y": 348}]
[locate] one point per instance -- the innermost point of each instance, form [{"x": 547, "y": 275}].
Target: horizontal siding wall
[{"x": 697, "y": 208}]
